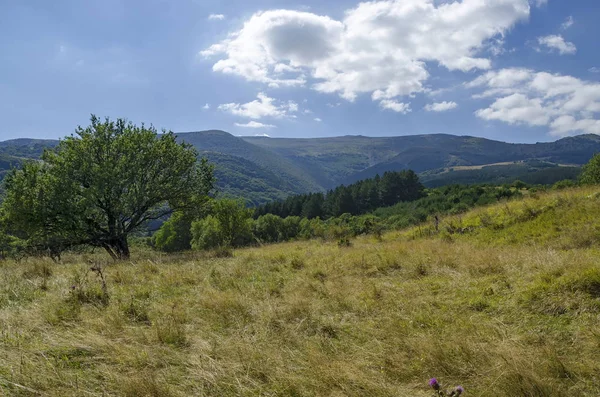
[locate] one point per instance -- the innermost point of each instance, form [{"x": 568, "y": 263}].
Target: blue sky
[{"x": 512, "y": 70}]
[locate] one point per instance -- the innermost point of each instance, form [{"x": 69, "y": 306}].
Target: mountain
[
  {"x": 262, "y": 169},
  {"x": 351, "y": 158},
  {"x": 248, "y": 170}
]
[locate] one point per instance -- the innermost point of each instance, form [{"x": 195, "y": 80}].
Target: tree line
[{"x": 356, "y": 199}]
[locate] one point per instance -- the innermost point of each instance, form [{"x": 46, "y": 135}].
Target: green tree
[
  {"x": 207, "y": 233},
  {"x": 175, "y": 234},
  {"x": 228, "y": 225},
  {"x": 313, "y": 207},
  {"x": 269, "y": 228},
  {"x": 591, "y": 171},
  {"x": 102, "y": 184}
]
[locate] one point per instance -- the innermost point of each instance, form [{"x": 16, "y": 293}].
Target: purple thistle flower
[
  {"x": 459, "y": 390},
  {"x": 434, "y": 383}
]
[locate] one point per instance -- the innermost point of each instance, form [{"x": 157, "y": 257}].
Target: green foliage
[
  {"x": 175, "y": 234},
  {"x": 564, "y": 184},
  {"x": 269, "y": 228},
  {"x": 358, "y": 198},
  {"x": 102, "y": 184},
  {"x": 591, "y": 171},
  {"x": 445, "y": 200},
  {"x": 228, "y": 225},
  {"x": 207, "y": 233}
]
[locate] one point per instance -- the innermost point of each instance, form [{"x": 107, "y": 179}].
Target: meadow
[{"x": 503, "y": 300}]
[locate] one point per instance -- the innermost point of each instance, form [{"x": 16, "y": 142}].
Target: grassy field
[{"x": 503, "y": 300}]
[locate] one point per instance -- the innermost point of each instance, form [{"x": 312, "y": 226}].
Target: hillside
[
  {"x": 504, "y": 301},
  {"x": 261, "y": 177},
  {"x": 348, "y": 159},
  {"x": 264, "y": 169},
  {"x": 529, "y": 171},
  {"x": 238, "y": 177}
]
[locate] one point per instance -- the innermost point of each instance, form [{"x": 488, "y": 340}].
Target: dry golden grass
[{"x": 501, "y": 316}]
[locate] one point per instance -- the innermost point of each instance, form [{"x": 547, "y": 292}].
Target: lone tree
[{"x": 101, "y": 184}]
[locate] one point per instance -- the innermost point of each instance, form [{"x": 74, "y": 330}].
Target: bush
[
  {"x": 269, "y": 228},
  {"x": 175, "y": 234},
  {"x": 10, "y": 246},
  {"x": 207, "y": 234},
  {"x": 291, "y": 227},
  {"x": 567, "y": 183},
  {"x": 229, "y": 225}
]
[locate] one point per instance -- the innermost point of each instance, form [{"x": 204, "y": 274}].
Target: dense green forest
[{"x": 358, "y": 198}]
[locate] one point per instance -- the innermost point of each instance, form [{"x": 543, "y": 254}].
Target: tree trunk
[
  {"x": 122, "y": 248},
  {"x": 118, "y": 248}
]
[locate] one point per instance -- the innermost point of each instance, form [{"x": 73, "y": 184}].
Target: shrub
[
  {"x": 207, "y": 233},
  {"x": 175, "y": 234},
  {"x": 269, "y": 228}
]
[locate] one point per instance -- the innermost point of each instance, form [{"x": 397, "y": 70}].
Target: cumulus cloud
[
  {"x": 318, "y": 120},
  {"x": 206, "y": 107},
  {"x": 216, "y": 17},
  {"x": 558, "y": 43},
  {"x": 398, "y": 107},
  {"x": 594, "y": 69},
  {"x": 564, "y": 104},
  {"x": 380, "y": 48},
  {"x": 263, "y": 106},
  {"x": 254, "y": 124},
  {"x": 441, "y": 106}
]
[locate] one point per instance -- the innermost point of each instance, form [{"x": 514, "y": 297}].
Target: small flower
[
  {"x": 434, "y": 383},
  {"x": 458, "y": 390}
]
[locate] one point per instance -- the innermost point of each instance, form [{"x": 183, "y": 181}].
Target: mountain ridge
[{"x": 262, "y": 169}]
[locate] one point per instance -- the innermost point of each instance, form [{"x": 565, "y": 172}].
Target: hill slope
[
  {"x": 348, "y": 159},
  {"x": 518, "y": 317},
  {"x": 264, "y": 169}
]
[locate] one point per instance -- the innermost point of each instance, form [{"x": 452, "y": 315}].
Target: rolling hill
[{"x": 262, "y": 169}]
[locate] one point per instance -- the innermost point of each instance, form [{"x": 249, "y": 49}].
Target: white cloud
[
  {"x": 567, "y": 23},
  {"x": 380, "y": 48},
  {"x": 557, "y": 42},
  {"x": 318, "y": 120},
  {"x": 206, "y": 107},
  {"x": 594, "y": 69},
  {"x": 261, "y": 107},
  {"x": 398, "y": 107},
  {"x": 441, "y": 106},
  {"x": 254, "y": 124},
  {"x": 564, "y": 104},
  {"x": 216, "y": 17},
  {"x": 516, "y": 109}
]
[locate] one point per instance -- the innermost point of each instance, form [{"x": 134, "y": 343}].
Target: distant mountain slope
[
  {"x": 239, "y": 177},
  {"x": 531, "y": 172},
  {"x": 291, "y": 177},
  {"x": 261, "y": 169},
  {"x": 351, "y": 158},
  {"x": 26, "y": 148}
]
